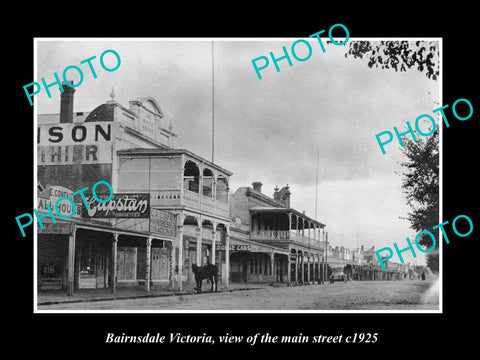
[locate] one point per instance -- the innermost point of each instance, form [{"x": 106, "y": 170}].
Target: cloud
[{"x": 270, "y": 130}]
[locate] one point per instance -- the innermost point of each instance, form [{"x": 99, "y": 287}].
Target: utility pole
[{"x": 326, "y": 256}]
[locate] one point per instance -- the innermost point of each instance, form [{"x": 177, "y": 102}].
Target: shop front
[
  {"x": 76, "y": 255},
  {"x": 251, "y": 262}
]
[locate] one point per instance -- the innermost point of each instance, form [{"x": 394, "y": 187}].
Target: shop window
[
  {"x": 50, "y": 270},
  {"x": 87, "y": 261}
]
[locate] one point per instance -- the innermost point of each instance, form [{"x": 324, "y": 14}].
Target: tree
[
  {"x": 399, "y": 55},
  {"x": 421, "y": 181},
  {"x": 421, "y": 187}
]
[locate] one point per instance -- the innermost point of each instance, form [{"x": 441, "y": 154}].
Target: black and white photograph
[
  {"x": 272, "y": 174},
  {"x": 243, "y": 183}
]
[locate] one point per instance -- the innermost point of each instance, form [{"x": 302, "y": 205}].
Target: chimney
[
  {"x": 286, "y": 196},
  {"x": 276, "y": 193},
  {"x": 257, "y": 186},
  {"x": 66, "y": 103}
]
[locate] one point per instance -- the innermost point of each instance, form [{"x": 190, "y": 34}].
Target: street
[{"x": 353, "y": 295}]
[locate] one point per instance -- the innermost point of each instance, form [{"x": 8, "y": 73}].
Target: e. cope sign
[{"x": 38, "y": 87}]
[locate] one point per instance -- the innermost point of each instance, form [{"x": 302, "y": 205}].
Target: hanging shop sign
[
  {"x": 57, "y": 198},
  {"x": 162, "y": 222},
  {"x": 124, "y": 205}
]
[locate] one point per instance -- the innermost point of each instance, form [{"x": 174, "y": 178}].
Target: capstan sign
[{"x": 125, "y": 205}]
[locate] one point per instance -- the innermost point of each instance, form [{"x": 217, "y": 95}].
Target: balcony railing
[
  {"x": 285, "y": 236},
  {"x": 190, "y": 199},
  {"x": 165, "y": 197}
]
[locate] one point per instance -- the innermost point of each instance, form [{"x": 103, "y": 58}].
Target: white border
[{"x": 440, "y": 82}]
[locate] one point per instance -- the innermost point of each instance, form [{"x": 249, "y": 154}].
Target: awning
[
  {"x": 252, "y": 246},
  {"x": 66, "y": 227},
  {"x": 339, "y": 262}
]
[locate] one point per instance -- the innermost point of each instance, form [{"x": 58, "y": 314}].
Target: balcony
[
  {"x": 285, "y": 237},
  {"x": 206, "y": 233},
  {"x": 189, "y": 199}
]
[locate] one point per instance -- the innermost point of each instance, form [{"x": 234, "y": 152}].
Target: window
[
  {"x": 207, "y": 183},
  {"x": 87, "y": 261},
  {"x": 50, "y": 270},
  {"x": 191, "y": 177},
  {"x": 222, "y": 189}
]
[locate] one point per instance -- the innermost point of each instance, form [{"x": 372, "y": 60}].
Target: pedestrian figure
[{"x": 423, "y": 276}]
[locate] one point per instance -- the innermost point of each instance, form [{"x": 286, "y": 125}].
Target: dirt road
[{"x": 354, "y": 295}]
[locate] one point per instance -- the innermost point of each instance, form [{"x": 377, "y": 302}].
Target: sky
[{"x": 269, "y": 130}]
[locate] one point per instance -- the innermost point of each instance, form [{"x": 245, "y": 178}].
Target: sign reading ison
[{"x": 74, "y": 143}]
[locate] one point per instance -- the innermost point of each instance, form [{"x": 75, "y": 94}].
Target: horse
[{"x": 209, "y": 272}]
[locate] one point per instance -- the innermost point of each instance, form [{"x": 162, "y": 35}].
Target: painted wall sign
[
  {"x": 121, "y": 205},
  {"x": 235, "y": 247},
  {"x": 74, "y": 143}
]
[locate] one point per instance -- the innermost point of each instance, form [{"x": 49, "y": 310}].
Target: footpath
[{"x": 51, "y": 297}]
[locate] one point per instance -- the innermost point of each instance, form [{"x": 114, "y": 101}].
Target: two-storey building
[
  {"x": 296, "y": 247},
  {"x": 169, "y": 207}
]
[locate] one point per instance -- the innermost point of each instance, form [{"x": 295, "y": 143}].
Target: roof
[
  {"x": 103, "y": 112},
  {"x": 169, "y": 152},
  {"x": 339, "y": 262},
  {"x": 149, "y": 103},
  {"x": 282, "y": 210}
]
